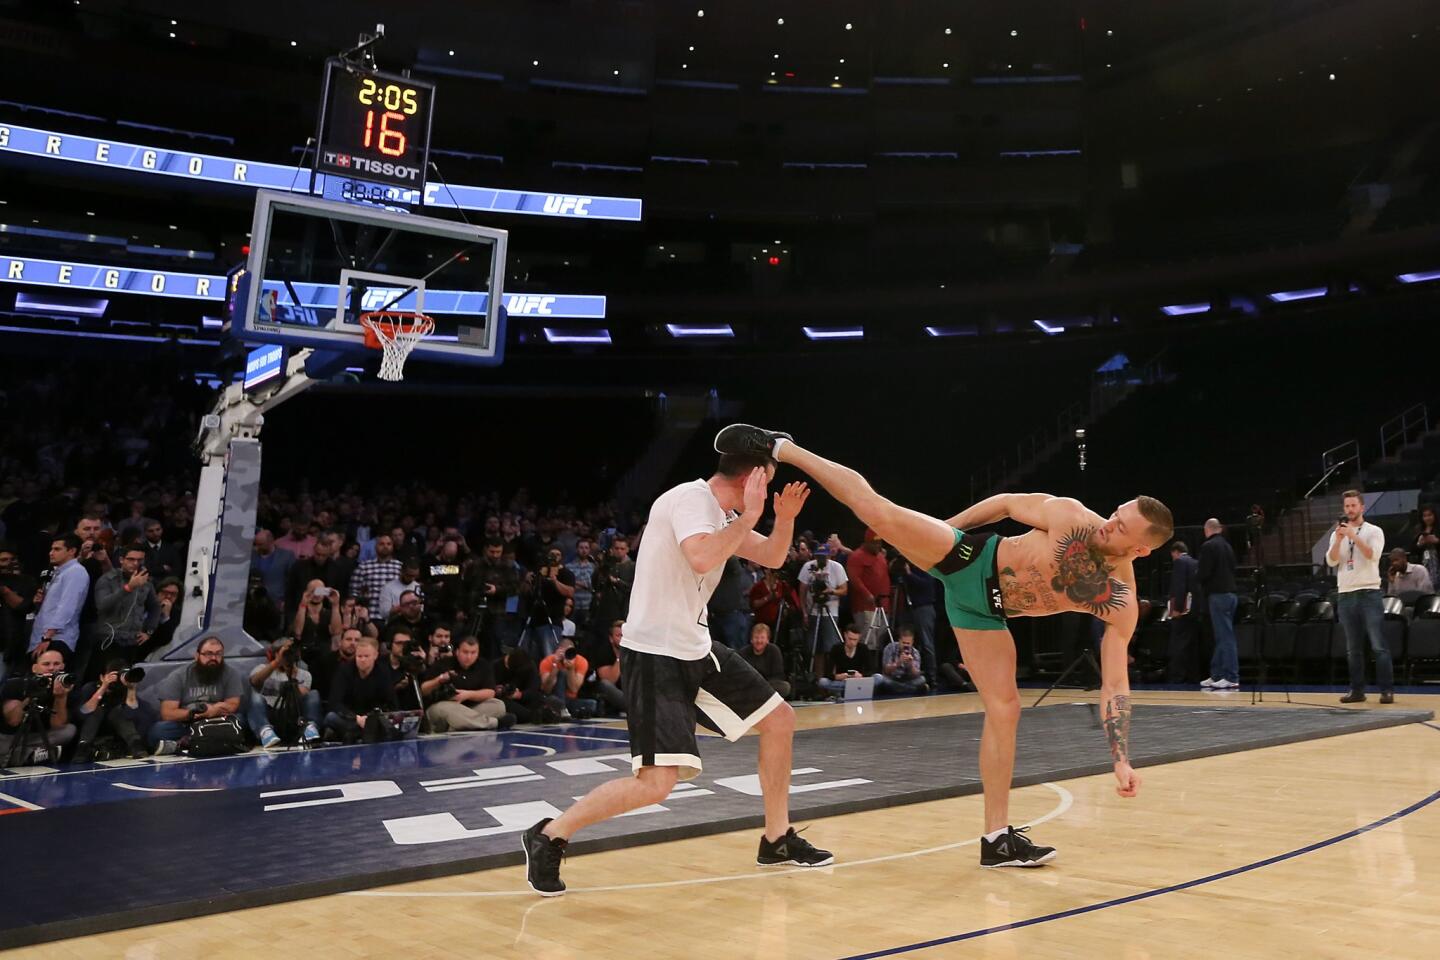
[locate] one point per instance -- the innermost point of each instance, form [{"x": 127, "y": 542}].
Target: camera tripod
[
  {"x": 822, "y": 613},
  {"x": 538, "y": 615},
  {"x": 1254, "y": 530},
  {"x": 34, "y": 722},
  {"x": 1086, "y": 658},
  {"x": 879, "y": 622}
]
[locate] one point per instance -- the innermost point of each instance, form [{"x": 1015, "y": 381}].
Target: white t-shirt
[
  {"x": 667, "y": 603},
  {"x": 1354, "y": 572},
  {"x": 834, "y": 577}
]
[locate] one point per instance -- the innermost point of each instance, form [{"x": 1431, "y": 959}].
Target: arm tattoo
[
  {"x": 1083, "y": 576},
  {"x": 1117, "y": 727}
]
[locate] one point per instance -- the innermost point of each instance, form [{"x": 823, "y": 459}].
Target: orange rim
[{"x": 391, "y": 322}]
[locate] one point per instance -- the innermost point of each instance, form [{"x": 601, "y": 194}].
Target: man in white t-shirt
[
  {"x": 822, "y": 583},
  {"x": 1355, "y": 549},
  {"x": 675, "y": 676}
]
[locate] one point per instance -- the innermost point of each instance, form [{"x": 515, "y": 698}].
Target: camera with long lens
[
  {"x": 41, "y": 687},
  {"x": 116, "y": 693}
]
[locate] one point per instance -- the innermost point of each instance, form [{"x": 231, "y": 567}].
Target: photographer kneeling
[
  {"x": 460, "y": 691},
  {"x": 283, "y": 695},
  {"x": 33, "y": 706},
  {"x": 112, "y": 709}
]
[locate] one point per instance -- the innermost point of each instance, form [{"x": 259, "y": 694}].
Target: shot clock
[{"x": 374, "y": 127}]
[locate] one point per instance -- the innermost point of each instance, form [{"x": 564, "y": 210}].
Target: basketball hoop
[{"x": 396, "y": 333}]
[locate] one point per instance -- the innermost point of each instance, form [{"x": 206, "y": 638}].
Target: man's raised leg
[{"x": 923, "y": 540}]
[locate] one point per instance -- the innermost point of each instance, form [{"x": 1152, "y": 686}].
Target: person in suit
[{"x": 1184, "y": 601}]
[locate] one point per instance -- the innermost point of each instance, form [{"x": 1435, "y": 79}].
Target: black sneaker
[
  {"x": 1388, "y": 696},
  {"x": 743, "y": 438},
  {"x": 792, "y": 850},
  {"x": 1014, "y": 849},
  {"x": 542, "y": 860},
  {"x": 1354, "y": 696},
  {"x": 506, "y": 721}
]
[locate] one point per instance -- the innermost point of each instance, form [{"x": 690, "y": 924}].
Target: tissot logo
[{"x": 385, "y": 168}]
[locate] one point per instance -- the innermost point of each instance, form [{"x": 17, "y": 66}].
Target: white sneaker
[
  {"x": 1208, "y": 682},
  {"x": 1224, "y": 685}
]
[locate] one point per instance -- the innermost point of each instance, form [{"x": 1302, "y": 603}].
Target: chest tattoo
[{"x": 1083, "y": 576}]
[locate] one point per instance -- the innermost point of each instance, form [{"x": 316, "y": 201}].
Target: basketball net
[{"x": 395, "y": 333}]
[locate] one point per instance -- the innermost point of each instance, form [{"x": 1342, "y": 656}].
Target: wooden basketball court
[{"x": 1350, "y": 823}]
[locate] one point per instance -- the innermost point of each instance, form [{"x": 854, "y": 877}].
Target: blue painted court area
[{"x": 84, "y": 784}]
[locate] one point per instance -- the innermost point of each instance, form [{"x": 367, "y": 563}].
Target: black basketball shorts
[{"x": 666, "y": 697}]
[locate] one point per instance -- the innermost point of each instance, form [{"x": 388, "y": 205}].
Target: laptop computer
[{"x": 859, "y": 688}]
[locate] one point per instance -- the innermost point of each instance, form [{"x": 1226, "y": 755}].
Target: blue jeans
[
  {"x": 923, "y": 619},
  {"x": 540, "y": 640},
  {"x": 257, "y": 711},
  {"x": 730, "y": 629},
  {"x": 167, "y": 730},
  {"x": 1225, "y": 663},
  {"x": 1362, "y": 614},
  {"x": 884, "y": 684}
]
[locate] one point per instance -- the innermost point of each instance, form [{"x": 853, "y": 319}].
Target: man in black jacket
[
  {"x": 461, "y": 692},
  {"x": 1185, "y": 602},
  {"x": 766, "y": 658},
  {"x": 362, "y": 685},
  {"x": 1217, "y": 580}
]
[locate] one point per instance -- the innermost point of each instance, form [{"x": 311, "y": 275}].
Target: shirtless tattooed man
[{"x": 1072, "y": 560}]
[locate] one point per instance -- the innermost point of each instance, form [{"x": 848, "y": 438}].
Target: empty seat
[{"x": 1422, "y": 647}]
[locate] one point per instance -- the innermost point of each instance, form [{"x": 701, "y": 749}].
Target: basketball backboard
[{"x": 316, "y": 265}]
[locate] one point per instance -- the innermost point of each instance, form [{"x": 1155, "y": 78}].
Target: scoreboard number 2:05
[{"x": 398, "y": 102}]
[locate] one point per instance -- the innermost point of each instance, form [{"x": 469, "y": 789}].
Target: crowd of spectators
[{"x": 474, "y": 610}]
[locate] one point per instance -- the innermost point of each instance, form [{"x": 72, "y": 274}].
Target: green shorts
[{"x": 972, "y": 584}]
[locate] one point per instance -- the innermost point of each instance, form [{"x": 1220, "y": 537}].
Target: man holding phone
[
  {"x": 1355, "y": 549},
  {"x": 848, "y": 659},
  {"x": 126, "y": 607},
  {"x": 1405, "y": 577}
]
